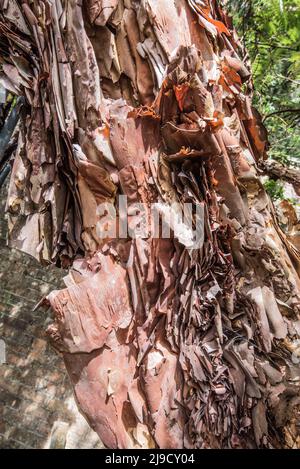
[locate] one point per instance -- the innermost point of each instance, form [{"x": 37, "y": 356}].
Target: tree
[{"x": 168, "y": 343}]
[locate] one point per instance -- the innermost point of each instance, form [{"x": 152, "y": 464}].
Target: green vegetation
[
  {"x": 275, "y": 189},
  {"x": 270, "y": 31}
]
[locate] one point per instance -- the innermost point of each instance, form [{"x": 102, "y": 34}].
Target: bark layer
[{"x": 165, "y": 345}]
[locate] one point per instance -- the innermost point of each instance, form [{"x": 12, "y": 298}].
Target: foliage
[
  {"x": 275, "y": 189},
  {"x": 270, "y": 30}
]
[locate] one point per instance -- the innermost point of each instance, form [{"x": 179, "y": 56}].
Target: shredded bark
[{"x": 166, "y": 346}]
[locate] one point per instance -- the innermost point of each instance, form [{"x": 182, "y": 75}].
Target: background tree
[{"x": 271, "y": 35}]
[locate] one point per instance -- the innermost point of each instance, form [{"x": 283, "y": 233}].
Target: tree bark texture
[
  {"x": 276, "y": 170},
  {"x": 166, "y": 346}
]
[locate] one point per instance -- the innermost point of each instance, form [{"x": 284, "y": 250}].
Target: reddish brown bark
[{"x": 165, "y": 345}]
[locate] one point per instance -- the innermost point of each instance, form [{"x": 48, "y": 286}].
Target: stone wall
[{"x": 37, "y": 407}]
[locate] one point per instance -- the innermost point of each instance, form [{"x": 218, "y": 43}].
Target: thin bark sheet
[{"x": 166, "y": 346}]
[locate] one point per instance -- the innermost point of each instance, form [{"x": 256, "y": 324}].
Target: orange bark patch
[
  {"x": 223, "y": 83},
  {"x": 184, "y": 151},
  {"x": 205, "y": 12},
  {"x": 217, "y": 121},
  {"x": 180, "y": 94},
  {"x": 218, "y": 24},
  {"x": 232, "y": 76},
  {"x": 144, "y": 111},
  {"x": 106, "y": 131}
]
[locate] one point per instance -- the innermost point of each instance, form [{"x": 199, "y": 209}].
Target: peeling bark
[{"x": 166, "y": 346}]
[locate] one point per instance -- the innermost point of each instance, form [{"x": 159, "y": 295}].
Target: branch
[
  {"x": 288, "y": 78},
  {"x": 282, "y": 111}
]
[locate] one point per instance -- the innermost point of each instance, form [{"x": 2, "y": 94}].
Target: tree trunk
[
  {"x": 276, "y": 170},
  {"x": 169, "y": 342}
]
